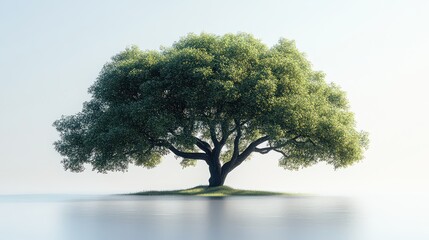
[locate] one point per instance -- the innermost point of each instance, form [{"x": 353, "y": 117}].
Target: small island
[{"x": 206, "y": 191}]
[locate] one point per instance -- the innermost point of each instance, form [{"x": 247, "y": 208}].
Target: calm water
[{"x": 270, "y": 218}]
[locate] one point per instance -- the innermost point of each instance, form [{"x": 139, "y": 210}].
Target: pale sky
[{"x": 377, "y": 51}]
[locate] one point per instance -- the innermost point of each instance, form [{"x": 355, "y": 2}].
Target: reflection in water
[
  {"x": 202, "y": 218},
  {"x": 268, "y": 218}
]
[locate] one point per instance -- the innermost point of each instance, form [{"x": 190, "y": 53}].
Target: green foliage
[{"x": 208, "y": 87}]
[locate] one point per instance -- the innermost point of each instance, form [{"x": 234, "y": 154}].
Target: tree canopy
[{"x": 212, "y": 98}]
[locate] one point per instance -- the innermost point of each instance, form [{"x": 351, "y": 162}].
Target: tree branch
[
  {"x": 213, "y": 134},
  {"x": 283, "y": 153},
  {"x": 229, "y": 166},
  {"x": 236, "y": 126},
  {"x": 236, "y": 141},
  {"x": 225, "y": 132},
  {"x": 188, "y": 155},
  {"x": 251, "y": 148},
  {"x": 268, "y": 149},
  {"x": 203, "y": 145}
]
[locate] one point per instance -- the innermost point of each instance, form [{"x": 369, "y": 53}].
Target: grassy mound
[{"x": 221, "y": 191}]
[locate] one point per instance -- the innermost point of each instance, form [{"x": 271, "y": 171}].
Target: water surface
[{"x": 169, "y": 217}]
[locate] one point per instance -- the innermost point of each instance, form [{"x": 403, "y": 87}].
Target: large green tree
[{"x": 216, "y": 99}]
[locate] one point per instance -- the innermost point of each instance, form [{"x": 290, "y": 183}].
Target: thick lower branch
[{"x": 188, "y": 155}]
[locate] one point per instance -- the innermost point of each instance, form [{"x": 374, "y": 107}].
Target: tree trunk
[{"x": 217, "y": 178}]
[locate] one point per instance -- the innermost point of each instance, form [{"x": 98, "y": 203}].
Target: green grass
[{"x": 205, "y": 191}]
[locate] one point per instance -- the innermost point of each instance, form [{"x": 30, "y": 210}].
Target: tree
[{"x": 216, "y": 99}]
